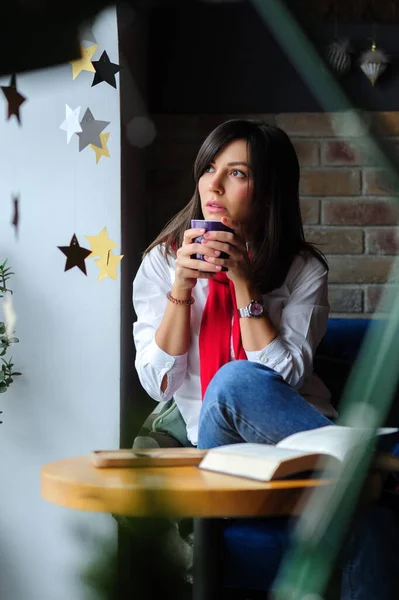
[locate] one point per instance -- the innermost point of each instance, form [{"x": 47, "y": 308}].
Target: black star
[
  {"x": 75, "y": 254},
  {"x": 14, "y": 98},
  {"x": 15, "y": 217},
  {"x": 105, "y": 70}
]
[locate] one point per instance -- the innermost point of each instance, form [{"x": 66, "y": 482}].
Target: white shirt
[{"x": 298, "y": 310}]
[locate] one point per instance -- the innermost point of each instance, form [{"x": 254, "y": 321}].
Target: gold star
[
  {"x": 100, "y": 244},
  {"x": 107, "y": 265},
  {"x": 84, "y": 63},
  {"x": 103, "y": 151}
]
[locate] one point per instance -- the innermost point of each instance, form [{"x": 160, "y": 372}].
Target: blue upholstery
[
  {"x": 344, "y": 337},
  {"x": 253, "y": 548}
]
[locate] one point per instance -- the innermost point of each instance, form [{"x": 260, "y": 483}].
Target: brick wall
[{"x": 346, "y": 201}]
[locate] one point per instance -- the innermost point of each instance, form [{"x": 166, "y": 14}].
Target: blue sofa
[{"x": 253, "y": 548}]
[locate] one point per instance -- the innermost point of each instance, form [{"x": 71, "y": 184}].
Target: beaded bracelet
[{"x": 177, "y": 301}]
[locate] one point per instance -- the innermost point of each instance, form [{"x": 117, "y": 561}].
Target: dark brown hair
[{"x": 276, "y": 230}]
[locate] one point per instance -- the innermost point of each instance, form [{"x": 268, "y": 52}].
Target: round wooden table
[{"x": 168, "y": 491}]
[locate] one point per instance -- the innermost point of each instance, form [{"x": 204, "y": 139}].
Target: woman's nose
[{"x": 216, "y": 183}]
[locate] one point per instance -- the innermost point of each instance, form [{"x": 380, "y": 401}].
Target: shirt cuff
[
  {"x": 270, "y": 356},
  {"x": 163, "y": 362}
]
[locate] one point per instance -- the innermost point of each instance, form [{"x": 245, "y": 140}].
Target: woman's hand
[
  {"x": 188, "y": 269},
  {"x": 238, "y": 264}
]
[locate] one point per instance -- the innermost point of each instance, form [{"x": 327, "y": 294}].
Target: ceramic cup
[{"x": 208, "y": 225}]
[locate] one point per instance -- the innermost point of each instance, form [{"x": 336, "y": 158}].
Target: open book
[{"x": 298, "y": 453}]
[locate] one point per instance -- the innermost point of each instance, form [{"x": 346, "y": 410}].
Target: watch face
[{"x": 256, "y": 309}]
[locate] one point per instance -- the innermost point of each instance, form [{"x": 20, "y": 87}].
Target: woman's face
[{"x": 226, "y": 187}]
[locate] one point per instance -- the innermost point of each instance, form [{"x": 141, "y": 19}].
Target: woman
[
  {"x": 232, "y": 340},
  {"x": 188, "y": 320}
]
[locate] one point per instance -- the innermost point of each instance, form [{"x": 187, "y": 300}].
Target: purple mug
[{"x": 209, "y": 225}]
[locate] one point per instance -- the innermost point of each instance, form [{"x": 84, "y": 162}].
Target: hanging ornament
[
  {"x": 373, "y": 63},
  {"x": 339, "y": 56}
]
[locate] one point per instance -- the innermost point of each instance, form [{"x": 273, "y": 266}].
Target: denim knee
[{"x": 234, "y": 378}]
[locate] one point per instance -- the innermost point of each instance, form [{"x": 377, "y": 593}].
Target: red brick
[
  {"x": 345, "y": 299},
  {"x": 330, "y": 182},
  {"x": 310, "y": 210},
  {"x": 383, "y": 241},
  {"x": 334, "y": 240},
  {"x": 386, "y": 123},
  {"x": 307, "y": 152},
  {"x": 359, "y": 269},
  {"x": 380, "y": 297},
  {"x": 358, "y": 212},
  {"x": 322, "y": 124},
  {"x": 340, "y": 153},
  {"x": 378, "y": 182}
]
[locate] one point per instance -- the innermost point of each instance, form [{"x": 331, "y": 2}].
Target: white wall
[{"x": 67, "y": 401}]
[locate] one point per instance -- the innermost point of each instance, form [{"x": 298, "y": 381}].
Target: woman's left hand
[{"x": 238, "y": 264}]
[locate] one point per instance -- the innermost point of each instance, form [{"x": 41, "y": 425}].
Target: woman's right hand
[{"x": 188, "y": 269}]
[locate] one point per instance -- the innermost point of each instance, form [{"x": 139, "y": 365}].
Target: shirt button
[
  {"x": 169, "y": 365},
  {"x": 263, "y": 360}
]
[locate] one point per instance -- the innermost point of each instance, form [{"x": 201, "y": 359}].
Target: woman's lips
[{"x": 214, "y": 207}]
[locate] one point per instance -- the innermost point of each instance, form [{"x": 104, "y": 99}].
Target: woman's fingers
[
  {"x": 195, "y": 265},
  {"x": 190, "y": 234},
  {"x": 191, "y": 249},
  {"x": 235, "y": 226}
]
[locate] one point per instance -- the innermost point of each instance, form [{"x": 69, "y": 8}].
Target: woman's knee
[{"x": 238, "y": 378}]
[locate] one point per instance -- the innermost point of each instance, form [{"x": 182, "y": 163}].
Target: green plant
[{"x": 6, "y": 371}]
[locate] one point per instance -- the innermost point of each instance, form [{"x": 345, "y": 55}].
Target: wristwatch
[{"x": 253, "y": 309}]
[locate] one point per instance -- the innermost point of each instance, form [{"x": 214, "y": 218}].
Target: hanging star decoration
[
  {"x": 91, "y": 129},
  {"x": 87, "y": 34},
  {"x": 14, "y": 98},
  {"x": 103, "y": 151},
  {"x": 102, "y": 246},
  {"x": 105, "y": 70},
  {"x": 75, "y": 254},
  {"x": 84, "y": 63},
  {"x": 10, "y": 316},
  {"x": 71, "y": 124},
  {"x": 15, "y": 216},
  {"x": 108, "y": 265}
]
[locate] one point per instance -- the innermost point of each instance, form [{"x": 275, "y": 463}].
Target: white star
[
  {"x": 71, "y": 124},
  {"x": 9, "y": 315}
]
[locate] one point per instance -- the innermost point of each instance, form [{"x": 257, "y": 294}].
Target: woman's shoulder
[
  {"x": 306, "y": 265},
  {"x": 156, "y": 261},
  {"x": 159, "y": 254}
]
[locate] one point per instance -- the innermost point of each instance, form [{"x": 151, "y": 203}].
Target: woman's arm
[
  {"x": 150, "y": 286},
  {"x": 303, "y": 322},
  {"x": 162, "y": 332},
  {"x": 256, "y": 333}
]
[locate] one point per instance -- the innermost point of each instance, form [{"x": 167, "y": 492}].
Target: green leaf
[
  {"x": 13, "y": 340},
  {"x": 3, "y": 388},
  {"x": 15, "y": 374},
  {"x": 2, "y": 328}
]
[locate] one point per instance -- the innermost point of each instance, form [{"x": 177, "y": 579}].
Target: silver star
[
  {"x": 91, "y": 130},
  {"x": 88, "y": 36}
]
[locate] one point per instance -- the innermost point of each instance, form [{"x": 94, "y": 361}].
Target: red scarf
[{"x": 216, "y": 329}]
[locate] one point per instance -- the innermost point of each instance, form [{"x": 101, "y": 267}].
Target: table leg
[{"x": 208, "y": 565}]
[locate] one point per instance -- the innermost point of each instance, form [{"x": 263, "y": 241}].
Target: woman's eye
[
  {"x": 238, "y": 173},
  {"x": 209, "y": 169}
]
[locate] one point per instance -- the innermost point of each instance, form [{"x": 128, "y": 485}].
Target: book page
[
  {"x": 263, "y": 451},
  {"x": 335, "y": 440}
]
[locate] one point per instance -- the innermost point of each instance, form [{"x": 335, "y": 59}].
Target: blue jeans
[{"x": 248, "y": 402}]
